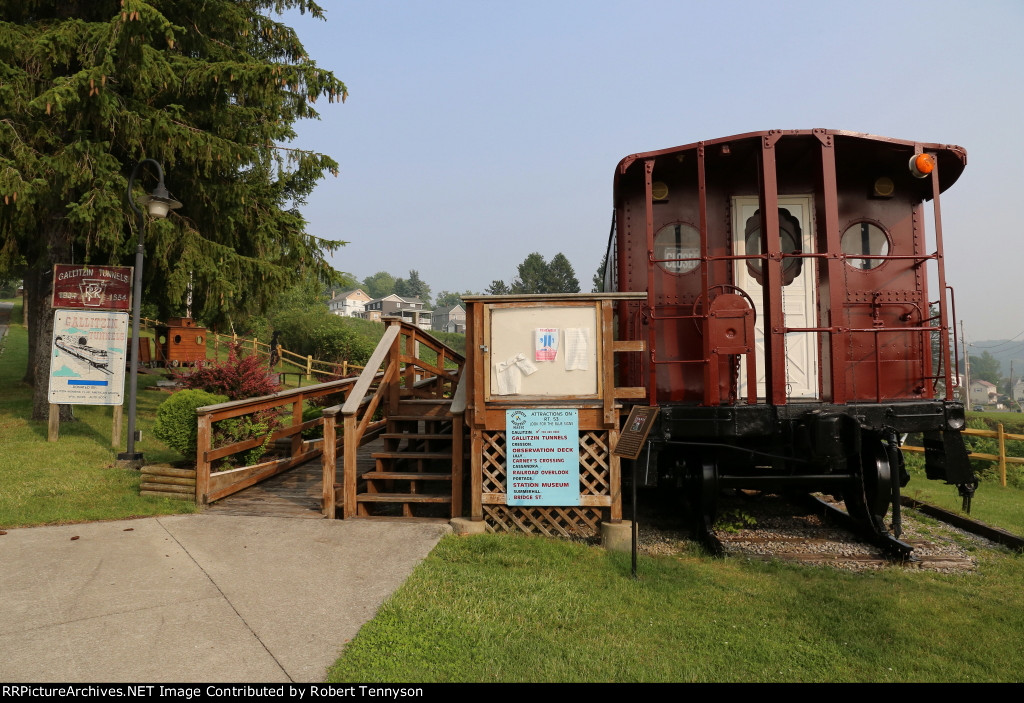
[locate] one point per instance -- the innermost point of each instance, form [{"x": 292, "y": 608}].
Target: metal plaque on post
[{"x": 634, "y": 433}]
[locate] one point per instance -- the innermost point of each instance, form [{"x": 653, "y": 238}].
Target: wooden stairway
[{"x": 413, "y": 477}]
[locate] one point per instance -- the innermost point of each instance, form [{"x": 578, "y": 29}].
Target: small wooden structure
[
  {"x": 504, "y": 329},
  {"x": 180, "y": 342}
]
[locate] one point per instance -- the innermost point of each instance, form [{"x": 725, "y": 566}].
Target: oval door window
[
  {"x": 677, "y": 246},
  {"x": 866, "y": 239},
  {"x": 789, "y": 236}
]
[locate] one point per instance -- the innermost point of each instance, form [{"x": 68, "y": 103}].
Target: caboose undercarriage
[{"x": 849, "y": 451}]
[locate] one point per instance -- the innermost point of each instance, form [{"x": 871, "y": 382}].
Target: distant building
[
  {"x": 351, "y": 303},
  {"x": 409, "y": 309},
  {"x": 983, "y": 393},
  {"x": 449, "y": 319}
]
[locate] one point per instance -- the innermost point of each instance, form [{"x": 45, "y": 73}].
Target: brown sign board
[
  {"x": 79, "y": 287},
  {"x": 634, "y": 433}
]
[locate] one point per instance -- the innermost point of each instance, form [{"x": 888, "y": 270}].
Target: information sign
[
  {"x": 88, "y": 357},
  {"x": 92, "y": 287},
  {"x": 543, "y": 450},
  {"x": 634, "y": 433}
]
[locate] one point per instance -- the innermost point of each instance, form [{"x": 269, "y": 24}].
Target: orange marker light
[{"x": 922, "y": 164}]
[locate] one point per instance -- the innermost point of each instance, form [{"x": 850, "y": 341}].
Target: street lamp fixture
[{"x": 158, "y": 203}]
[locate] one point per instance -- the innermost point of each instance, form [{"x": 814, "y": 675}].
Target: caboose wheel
[
  {"x": 702, "y": 488},
  {"x": 869, "y": 497}
]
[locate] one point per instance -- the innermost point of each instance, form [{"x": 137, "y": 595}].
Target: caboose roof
[{"x": 952, "y": 159}]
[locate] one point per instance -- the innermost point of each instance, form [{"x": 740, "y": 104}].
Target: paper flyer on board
[{"x": 546, "y": 343}]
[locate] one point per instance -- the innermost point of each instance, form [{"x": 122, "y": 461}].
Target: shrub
[
  {"x": 237, "y": 378},
  {"x": 176, "y": 419},
  {"x": 238, "y": 429}
]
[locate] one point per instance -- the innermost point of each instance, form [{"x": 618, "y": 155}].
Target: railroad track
[{"x": 768, "y": 526}]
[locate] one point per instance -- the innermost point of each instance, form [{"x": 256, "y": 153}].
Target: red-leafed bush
[{"x": 237, "y": 378}]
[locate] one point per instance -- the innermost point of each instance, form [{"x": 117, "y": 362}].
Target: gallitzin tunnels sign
[{"x": 92, "y": 287}]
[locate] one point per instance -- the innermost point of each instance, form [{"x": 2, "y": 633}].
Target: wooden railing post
[
  {"x": 297, "y": 420},
  {"x": 330, "y": 463},
  {"x": 1002, "y": 455},
  {"x": 351, "y": 447},
  {"x": 309, "y": 367},
  {"x": 203, "y": 436}
]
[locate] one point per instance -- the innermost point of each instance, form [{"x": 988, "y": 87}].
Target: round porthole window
[
  {"x": 789, "y": 238},
  {"x": 199, "y": 339},
  {"x": 678, "y": 247},
  {"x": 177, "y": 339},
  {"x": 866, "y": 239}
]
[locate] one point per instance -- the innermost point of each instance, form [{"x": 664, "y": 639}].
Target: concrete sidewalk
[{"x": 195, "y": 598}]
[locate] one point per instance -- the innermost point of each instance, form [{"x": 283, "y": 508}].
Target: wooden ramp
[{"x": 296, "y": 493}]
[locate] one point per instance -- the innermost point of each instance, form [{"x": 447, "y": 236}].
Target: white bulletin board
[{"x": 521, "y": 365}]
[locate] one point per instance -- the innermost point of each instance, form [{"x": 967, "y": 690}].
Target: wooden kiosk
[{"x": 540, "y": 390}]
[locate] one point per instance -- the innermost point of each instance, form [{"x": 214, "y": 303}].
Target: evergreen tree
[
  {"x": 561, "y": 278},
  {"x": 598, "y": 279},
  {"x": 497, "y": 287},
  {"x": 413, "y": 288},
  {"x": 209, "y": 88},
  {"x": 533, "y": 275},
  {"x": 538, "y": 276}
]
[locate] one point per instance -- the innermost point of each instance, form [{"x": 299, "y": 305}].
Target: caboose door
[{"x": 796, "y": 224}]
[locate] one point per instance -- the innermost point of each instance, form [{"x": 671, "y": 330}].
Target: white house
[
  {"x": 982, "y": 393},
  {"x": 351, "y": 303}
]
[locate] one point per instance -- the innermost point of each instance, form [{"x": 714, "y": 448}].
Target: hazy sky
[{"x": 477, "y": 132}]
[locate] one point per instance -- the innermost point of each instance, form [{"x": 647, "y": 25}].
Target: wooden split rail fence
[
  {"x": 1001, "y": 458},
  {"x": 288, "y": 361}
]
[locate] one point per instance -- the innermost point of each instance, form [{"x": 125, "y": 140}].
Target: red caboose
[{"x": 797, "y": 317}]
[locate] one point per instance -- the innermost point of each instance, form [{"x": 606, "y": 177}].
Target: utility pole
[{"x": 967, "y": 365}]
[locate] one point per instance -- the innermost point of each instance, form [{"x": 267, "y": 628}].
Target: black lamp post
[{"x": 158, "y": 203}]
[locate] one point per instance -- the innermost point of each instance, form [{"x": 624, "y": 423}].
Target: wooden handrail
[
  {"x": 387, "y": 368},
  {"x": 299, "y": 450}
]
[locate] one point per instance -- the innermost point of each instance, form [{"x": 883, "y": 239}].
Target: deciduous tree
[
  {"x": 209, "y": 88},
  {"x": 379, "y": 284}
]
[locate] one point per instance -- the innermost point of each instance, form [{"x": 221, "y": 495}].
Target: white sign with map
[{"x": 87, "y": 358}]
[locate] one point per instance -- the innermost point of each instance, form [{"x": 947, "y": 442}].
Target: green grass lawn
[
  {"x": 73, "y": 479},
  {"x": 506, "y": 608}
]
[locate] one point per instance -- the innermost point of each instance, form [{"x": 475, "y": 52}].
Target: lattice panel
[
  {"x": 552, "y": 522},
  {"x": 594, "y": 458},
  {"x": 493, "y": 462}
]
